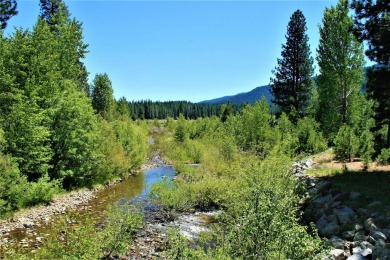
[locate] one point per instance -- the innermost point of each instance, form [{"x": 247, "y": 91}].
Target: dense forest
[{"x": 58, "y": 132}]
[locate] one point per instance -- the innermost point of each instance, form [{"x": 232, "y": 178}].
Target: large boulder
[
  {"x": 335, "y": 242},
  {"x": 345, "y": 215},
  {"x": 331, "y": 229},
  {"x": 379, "y": 235},
  {"x": 324, "y": 187},
  {"x": 336, "y": 254}
]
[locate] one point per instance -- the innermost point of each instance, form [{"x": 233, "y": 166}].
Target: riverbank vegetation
[{"x": 57, "y": 132}]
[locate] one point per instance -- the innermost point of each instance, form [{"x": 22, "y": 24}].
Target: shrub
[
  {"x": 384, "y": 157},
  {"x": 39, "y": 192},
  {"x": 346, "y": 143}
]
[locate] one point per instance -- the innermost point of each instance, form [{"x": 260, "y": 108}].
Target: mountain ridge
[{"x": 246, "y": 97}]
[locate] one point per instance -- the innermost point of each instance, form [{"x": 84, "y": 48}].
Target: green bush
[
  {"x": 384, "y": 157},
  {"x": 40, "y": 192},
  {"x": 346, "y": 144}
]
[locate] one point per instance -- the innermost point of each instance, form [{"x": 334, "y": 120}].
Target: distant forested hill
[{"x": 248, "y": 97}]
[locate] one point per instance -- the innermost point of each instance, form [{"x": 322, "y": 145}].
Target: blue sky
[{"x": 183, "y": 50}]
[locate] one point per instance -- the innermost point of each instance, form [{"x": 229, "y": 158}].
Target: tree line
[
  {"x": 52, "y": 135},
  {"x": 348, "y": 115}
]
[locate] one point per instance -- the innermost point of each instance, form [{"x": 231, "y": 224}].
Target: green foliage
[
  {"x": 181, "y": 131},
  {"x": 292, "y": 83},
  {"x": 122, "y": 222},
  {"x": 40, "y": 192},
  {"x": 102, "y": 96},
  {"x": 384, "y": 157},
  {"x": 8, "y": 8},
  {"x": 73, "y": 140},
  {"x": 253, "y": 129},
  {"x": 341, "y": 61},
  {"x": 310, "y": 139},
  {"x": 346, "y": 143},
  {"x": 12, "y": 185}
]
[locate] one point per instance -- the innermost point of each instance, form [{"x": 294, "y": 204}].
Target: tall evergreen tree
[
  {"x": 372, "y": 24},
  {"x": 51, "y": 7},
  {"x": 102, "y": 96},
  {"x": 292, "y": 82},
  {"x": 7, "y": 10},
  {"x": 341, "y": 62}
]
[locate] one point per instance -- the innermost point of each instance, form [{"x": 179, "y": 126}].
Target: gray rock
[
  {"x": 371, "y": 239},
  {"x": 380, "y": 244},
  {"x": 366, "y": 252},
  {"x": 375, "y": 204},
  {"x": 354, "y": 195},
  {"x": 380, "y": 253},
  {"x": 386, "y": 232},
  {"x": 357, "y": 256},
  {"x": 332, "y": 218},
  {"x": 337, "y": 254},
  {"x": 356, "y": 250},
  {"x": 345, "y": 215},
  {"x": 321, "y": 201},
  {"x": 331, "y": 229},
  {"x": 348, "y": 235},
  {"x": 367, "y": 224},
  {"x": 379, "y": 235},
  {"x": 359, "y": 237},
  {"x": 324, "y": 187},
  {"x": 373, "y": 229},
  {"x": 321, "y": 224},
  {"x": 358, "y": 227},
  {"x": 341, "y": 196},
  {"x": 335, "y": 242},
  {"x": 363, "y": 212},
  {"x": 366, "y": 244}
]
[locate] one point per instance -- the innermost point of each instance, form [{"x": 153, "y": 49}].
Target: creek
[{"x": 130, "y": 190}]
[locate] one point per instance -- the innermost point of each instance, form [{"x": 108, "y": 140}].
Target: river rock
[
  {"x": 331, "y": 229},
  {"x": 359, "y": 236},
  {"x": 335, "y": 242},
  {"x": 386, "y": 232},
  {"x": 321, "y": 201},
  {"x": 345, "y": 215},
  {"x": 367, "y": 224},
  {"x": 366, "y": 244},
  {"x": 380, "y": 244},
  {"x": 381, "y": 253},
  {"x": 354, "y": 195},
  {"x": 324, "y": 187},
  {"x": 356, "y": 256},
  {"x": 336, "y": 254},
  {"x": 348, "y": 235},
  {"x": 379, "y": 235},
  {"x": 358, "y": 227},
  {"x": 341, "y": 196},
  {"x": 375, "y": 204}
]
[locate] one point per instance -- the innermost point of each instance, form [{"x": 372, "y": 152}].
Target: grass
[{"x": 373, "y": 184}]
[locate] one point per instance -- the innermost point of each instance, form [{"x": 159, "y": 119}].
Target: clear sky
[{"x": 183, "y": 50}]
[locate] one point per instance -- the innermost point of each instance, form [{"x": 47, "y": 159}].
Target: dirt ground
[{"x": 327, "y": 160}]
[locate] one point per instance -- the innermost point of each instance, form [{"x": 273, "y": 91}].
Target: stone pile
[{"x": 353, "y": 232}]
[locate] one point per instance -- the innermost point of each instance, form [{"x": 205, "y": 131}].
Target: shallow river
[{"x": 132, "y": 189}]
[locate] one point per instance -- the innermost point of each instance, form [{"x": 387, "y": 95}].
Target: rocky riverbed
[{"x": 352, "y": 231}]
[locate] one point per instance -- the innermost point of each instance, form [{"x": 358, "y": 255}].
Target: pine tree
[
  {"x": 7, "y": 10},
  {"x": 372, "y": 24},
  {"x": 292, "y": 82},
  {"x": 341, "y": 62},
  {"x": 51, "y": 7}
]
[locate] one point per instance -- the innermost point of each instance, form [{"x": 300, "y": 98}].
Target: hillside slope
[{"x": 246, "y": 97}]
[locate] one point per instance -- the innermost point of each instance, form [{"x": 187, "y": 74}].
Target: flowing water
[{"x": 134, "y": 188}]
